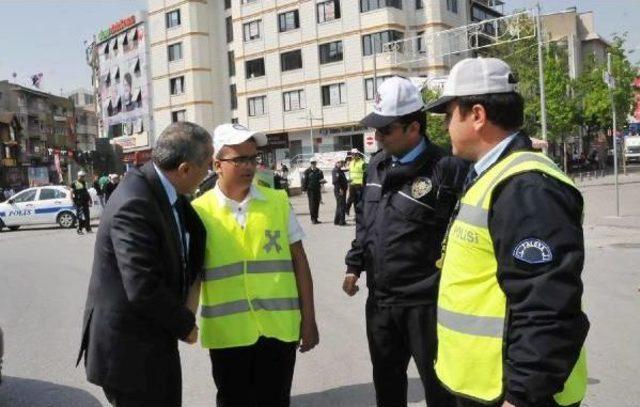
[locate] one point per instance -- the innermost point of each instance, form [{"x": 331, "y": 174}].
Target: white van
[{"x": 631, "y": 148}]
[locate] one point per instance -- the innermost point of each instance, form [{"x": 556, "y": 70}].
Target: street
[{"x": 44, "y": 274}]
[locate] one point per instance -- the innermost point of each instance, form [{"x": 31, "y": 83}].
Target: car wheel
[
  {"x": 13, "y": 227},
  {"x": 1, "y": 225},
  {"x": 66, "y": 220}
]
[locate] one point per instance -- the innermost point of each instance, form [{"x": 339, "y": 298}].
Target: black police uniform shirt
[
  {"x": 546, "y": 325},
  {"x": 80, "y": 195},
  {"x": 313, "y": 179},
  {"x": 401, "y": 222}
]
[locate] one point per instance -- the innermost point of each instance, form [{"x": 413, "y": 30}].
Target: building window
[
  {"x": 419, "y": 4},
  {"x": 172, "y": 18},
  {"x": 288, "y": 21},
  {"x": 257, "y": 106},
  {"x": 334, "y": 95},
  {"x": 293, "y": 100},
  {"x": 233, "y": 92},
  {"x": 232, "y": 63},
  {"x": 252, "y": 30},
  {"x": 372, "y": 43},
  {"x": 227, "y": 4},
  {"x": 369, "y": 5},
  {"x": 254, "y": 68},
  {"x": 175, "y": 52},
  {"x": 179, "y": 116},
  {"x": 452, "y": 6},
  {"x": 330, "y": 52},
  {"x": 229, "y": 28},
  {"x": 328, "y": 10},
  {"x": 420, "y": 43},
  {"x": 176, "y": 85},
  {"x": 369, "y": 89},
  {"x": 291, "y": 60}
]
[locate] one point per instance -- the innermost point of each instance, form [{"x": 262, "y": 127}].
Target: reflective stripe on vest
[
  {"x": 471, "y": 305},
  {"x": 356, "y": 172},
  {"x": 249, "y": 288}
]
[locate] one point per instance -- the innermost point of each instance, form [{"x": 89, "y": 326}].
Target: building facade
[
  {"x": 300, "y": 71},
  {"x": 85, "y": 119},
  {"x": 119, "y": 58},
  {"x": 38, "y": 136}
]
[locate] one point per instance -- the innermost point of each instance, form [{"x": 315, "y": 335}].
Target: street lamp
[{"x": 310, "y": 118}]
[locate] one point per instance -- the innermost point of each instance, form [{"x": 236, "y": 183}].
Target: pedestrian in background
[
  {"x": 409, "y": 194},
  {"x": 98, "y": 188},
  {"x": 357, "y": 169},
  {"x": 111, "y": 186},
  {"x": 312, "y": 184},
  {"x": 148, "y": 254},
  {"x": 340, "y": 186},
  {"x": 82, "y": 201},
  {"x": 511, "y": 329},
  {"x": 257, "y": 293}
]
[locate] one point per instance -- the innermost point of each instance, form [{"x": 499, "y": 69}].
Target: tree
[{"x": 436, "y": 130}]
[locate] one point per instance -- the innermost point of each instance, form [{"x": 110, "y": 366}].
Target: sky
[{"x": 48, "y": 35}]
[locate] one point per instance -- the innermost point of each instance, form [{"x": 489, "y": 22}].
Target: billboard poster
[
  {"x": 38, "y": 176},
  {"x": 124, "y": 84}
]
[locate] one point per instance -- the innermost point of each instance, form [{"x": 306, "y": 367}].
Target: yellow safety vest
[
  {"x": 472, "y": 307},
  {"x": 249, "y": 288},
  {"x": 356, "y": 172}
]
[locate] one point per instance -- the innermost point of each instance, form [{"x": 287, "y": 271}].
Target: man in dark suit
[
  {"x": 340, "y": 186},
  {"x": 148, "y": 253}
]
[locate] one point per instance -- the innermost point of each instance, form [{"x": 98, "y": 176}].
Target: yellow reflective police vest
[
  {"x": 356, "y": 172},
  {"x": 249, "y": 288},
  {"x": 471, "y": 305}
]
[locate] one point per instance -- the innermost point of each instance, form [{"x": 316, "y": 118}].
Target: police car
[{"x": 43, "y": 205}]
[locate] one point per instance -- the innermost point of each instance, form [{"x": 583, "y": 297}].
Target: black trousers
[
  {"x": 395, "y": 335},
  {"x": 341, "y": 206},
  {"x": 355, "y": 194},
  {"x": 314, "y": 196},
  {"x": 168, "y": 394},
  {"x": 259, "y": 375},
  {"x": 83, "y": 218}
]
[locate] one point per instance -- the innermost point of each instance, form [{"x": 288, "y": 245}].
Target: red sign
[{"x": 122, "y": 24}]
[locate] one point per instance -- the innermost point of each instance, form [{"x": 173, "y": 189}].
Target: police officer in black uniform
[
  {"x": 81, "y": 200},
  {"x": 535, "y": 226},
  {"x": 312, "y": 185},
  {"x": 340, "y": 187},
  {"x": 409, "y": 195}
]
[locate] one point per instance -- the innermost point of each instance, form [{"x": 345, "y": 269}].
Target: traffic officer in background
[
  {"x": 257, "y": 293},
  {"x": 312, "y": 184},
  {"x": 82, "y": 201},
  {"x": 511, "y": 329},
  {"x": 340, "y": 185},
  {"x": 357, "y": 169},
  {"x": 410, "y": 192}
]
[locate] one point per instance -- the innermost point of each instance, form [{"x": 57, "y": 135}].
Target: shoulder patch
[{"x": 533, "y": 251}]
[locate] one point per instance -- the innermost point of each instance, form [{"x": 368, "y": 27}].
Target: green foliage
[{"x": 436, "y": 130}]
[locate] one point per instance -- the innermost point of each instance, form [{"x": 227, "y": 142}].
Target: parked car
[{"x": 43, "y": 205}]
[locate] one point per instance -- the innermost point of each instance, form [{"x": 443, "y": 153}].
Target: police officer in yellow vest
[
  {"x": 257, "y": 293},
  {"x": 511, "y": 329},
  {"x": 357, "y": 168}
]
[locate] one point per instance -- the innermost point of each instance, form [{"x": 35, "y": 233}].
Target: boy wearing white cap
[
  {"x": 510, "y": 325},
  {"x": 409, "y": 194},
  {"x": 257, "y": 291}
]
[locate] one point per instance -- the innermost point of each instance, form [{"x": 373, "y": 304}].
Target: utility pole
[
  {"x": 611, "y": 84},
  {"x": 543, "y": 100}
]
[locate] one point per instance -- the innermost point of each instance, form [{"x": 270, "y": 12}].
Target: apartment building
[
  {"x": 302, "y": 71},
  {"x": 86, "y": 120}
]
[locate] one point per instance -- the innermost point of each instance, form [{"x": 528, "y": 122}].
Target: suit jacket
[{"x": 135, "y": 310}]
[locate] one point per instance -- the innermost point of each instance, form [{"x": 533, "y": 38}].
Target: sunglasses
[
  {"x": 241, "y": 160},
  {"x": 390, "y": 128}
]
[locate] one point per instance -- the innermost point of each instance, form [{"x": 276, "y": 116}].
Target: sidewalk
[{"x": 589, "y": 179}]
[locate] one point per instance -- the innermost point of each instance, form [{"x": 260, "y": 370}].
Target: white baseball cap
[
  {"x": 81, "y": 173},
  {"x": 475, "y": 76},
  {"x": 396, "y": 97},
  {"x": 231, "y": 134}
]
